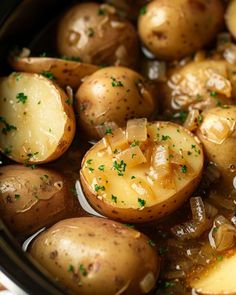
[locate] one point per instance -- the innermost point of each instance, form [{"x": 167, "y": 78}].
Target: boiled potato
[
  {"x": 113, "y": 95},
  {"x": 174, "y": 29},
  {"x": 230, "y": 17},
  {"x": 81, "y": 253},
  {"x": 142, "y": 173},
  {"x": 31, "y": 199},
  {"x": 36, "y": 119},
  {"x": 218, "y": 278},
  {"x": 63, "y": 72},
  {"x": 97, "y": 35},
  {"x": 197, "y": 85},
  {"x": 217, "y": 134}
]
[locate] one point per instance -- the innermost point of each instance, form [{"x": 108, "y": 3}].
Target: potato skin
[
  {"x": 81, "y": 253},
  {"x": 174, "y": 29},
  {"x": 187, "y": 86},
  {"x": 96, "y": 34},
  {"x": 31, "y": 199},
  {"x": 99, "y": 101}
]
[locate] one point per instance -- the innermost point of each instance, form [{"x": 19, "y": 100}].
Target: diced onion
[
  {"x": 137, "y": 130},
  {"x": 103, "y": 128},
  {"x": 198, "y": 209},
  {"x": 192, "y": 121},
  {"x": 147, "y": 283},
  {"x": 132, "y": 156},
  {"x": 117, "y": 140},
  {"x": 230, "y": 53},
  {"x": 160, "y": 160},
  {"x": 219, "y": 84}
]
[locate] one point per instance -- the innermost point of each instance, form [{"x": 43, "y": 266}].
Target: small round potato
[
  {"x": 113, "y": 95},
  {"x": 98, "y": 256},
  {"x": 230, "y": 17},
  {"x": 217, "y": 134},
  {"x": 174, "y": 29},
  {"x": 97, "y": 35},
  {"x": 198, "y": 85},
  {"x": 37, "y": 122},
  {"x": 142, "y": 173},
  {"x": 31, "y": 199}
]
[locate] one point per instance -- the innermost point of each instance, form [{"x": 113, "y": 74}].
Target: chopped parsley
[
  {"x": 69, "y": 58},
  {"x": 70, "y": 268},
  {"x": 21, "y": 97},
  {"x": 200, "y": 119},
  {"x": 98, "y": 187},
  {"x": 90, "y": 32},
  {"x": 220, "y": 258},
  {"x": 108, "y": 131},
  {"x": 7, "y": 151},
  {"x": 182, "y": 116},
  {"x": 68, "y": 101},
  {"x": 101, "y": 167},
  {"x": 133, "y": 177},
  {"x": 184, "y": 169},
  {"x": 213, "y": 94},
  {"x": 143, "y": 10},
  {"x": 135, "y": 143},
  {"x": 133, "y": 155},
  {"x": 48, "y": 75},
  {"x": 89, "y": 161},
  {"x": 16, "y": 75},
  {"x": 116, "y": 83},
  {"x": 141, "y": 202},
  {"x": 17, "y": 196},
  {"x": 29, "y": 157},
  {"x": 101, "y": 11},
  {"x": 83, "y": 270},
  {"x": 114, "y": 198},
  {"x": 91, "y": 169},
  {"x": 7, "y": 127},
  {"x": 165, "y": 137},
  {"x": 151, "y": 243},
  {"x": 120, "y": 167}
]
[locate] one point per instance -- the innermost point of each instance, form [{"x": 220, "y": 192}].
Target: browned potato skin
[
  {"x": 21, "y": 187},
  {"x": 65, "y": 72},
  {"x": 196, "y": 94},
  {"x": 223, "y": 155},
  {"x": 114, "y": 256},
  {"x": 174, "y": 29},
  {"x": 100, "y": 102},
  {"x": 93, "y": 37}
]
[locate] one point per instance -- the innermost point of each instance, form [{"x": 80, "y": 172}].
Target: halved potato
[
  {"x": 37, "y": 122},
  {"x": 218, "y": 278},
  {"x": 142, "y": 173},
  {"x": 64, "y": 72},
  {"x": 230, "y": 17}
]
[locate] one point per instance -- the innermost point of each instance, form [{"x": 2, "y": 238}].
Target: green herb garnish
[{"x": 21, "y": 97}]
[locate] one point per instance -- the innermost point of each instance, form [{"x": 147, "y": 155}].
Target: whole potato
[
  {"x": 97, "y": 35},
  {"x": 217, "y": 134},
  {"x": 198, "y": 85},
  {"x": 230, "y": 18},
  {"x": 31, "y": 199},
  {"x": 172, "y": 29},
  {"x": 113, "y": 95},
  {"x": 98, "y": 256}
]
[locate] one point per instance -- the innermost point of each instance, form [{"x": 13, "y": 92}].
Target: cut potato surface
[
  {"x": 37, "y": 124},
  {"x": 143, "y": 179},
  {"x": 218, "y": 278},
  {"x": 230, "y": 18},
  {"x": 64, "y": 72}
]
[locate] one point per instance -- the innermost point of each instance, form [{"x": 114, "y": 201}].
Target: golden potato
[
  {"x": 63, "y": 72},
  {"x": 97, "y": 35},
  {"x": 31, "y": 199},
  {"x": 218, "y": 278},
  {"x": 81, "y": 253},
  {"x": 230, "y": 18},
  {"x": 37, "y": 122},
  {"x": 112, "y": 96},
  {"x": 198, "y": 85},
  {"x": 217, "y": 134},
  {"x": 174, "y": 29},
  {"x": 142, "y": 173}
]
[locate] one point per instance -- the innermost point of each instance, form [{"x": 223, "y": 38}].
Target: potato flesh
[
  {"x": 40, "y": 121},
  {"x": 231, "y": 18},
  {"x": 139, "y": 186},
  {"x": 218, "y": 279}
]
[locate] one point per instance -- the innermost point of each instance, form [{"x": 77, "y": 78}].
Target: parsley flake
[{"x": 21, "y": 97}]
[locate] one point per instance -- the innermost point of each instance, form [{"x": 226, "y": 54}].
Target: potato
[
  {"x": 217, "y": 134},
  {"x": 37, "y": 121},
  {"x": 218, "y": 278},
  {"x": 174, "y": 29},
  {"x": 97, "y": 35},
  {"x": 197, "y": 85},
  {"x": 63, "y": 72},
  {"x": 81, "y": 253},
  {"x": 142, "y": 173},
  {"x": 230, "y": 18},
  {"x": 112, "y": 95},
  {"x": 31, "y": 199}
]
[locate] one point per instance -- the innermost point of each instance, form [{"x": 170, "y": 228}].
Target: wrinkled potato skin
[
  {"x": 174, "y": 29},
  {"x": 99, "y": 102},
  {"x": 29, "y": 200},
  {"x": 223, "y": 155},
  {"x": 95, "y": 243},
  {"x": 93, "y": 37},
  {"x": 186, "y": 87}
]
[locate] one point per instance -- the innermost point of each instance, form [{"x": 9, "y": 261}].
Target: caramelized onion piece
[
  {"x": 193, "y": 120},
  {"x": 132, "y": 156},
  {"x": 137, "y": 130},
  {"x": 107, "y": 127},
  {"x": 160, "y": 160}
]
